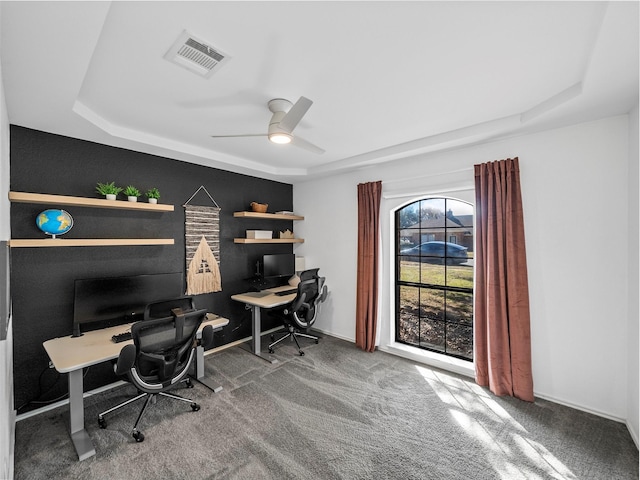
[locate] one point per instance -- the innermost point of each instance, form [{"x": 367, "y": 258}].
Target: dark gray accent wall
[{"x": 42, "y": 279}]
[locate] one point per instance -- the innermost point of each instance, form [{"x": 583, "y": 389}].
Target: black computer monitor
[
  {"x": 279, "y": 265},
  {"x": 104, "y": 302}
]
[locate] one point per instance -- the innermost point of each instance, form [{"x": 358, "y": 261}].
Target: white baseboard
[
  {"x": 551, "y": 398},
  {"x": 331, "y": 334},
  {"x": 578, "y": 406},
  {"x": 633, "y": 433},
  {"x": 52, "y": 406},
  {"x": 238, "y": 342}
]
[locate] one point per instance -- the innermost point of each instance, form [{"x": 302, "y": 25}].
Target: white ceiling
[{"x": 388, "y": 79}]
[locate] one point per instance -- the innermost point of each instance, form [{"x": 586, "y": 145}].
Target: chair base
[
  {"x": 135, "y": 433},
  {"x": 291, "y": 332}
]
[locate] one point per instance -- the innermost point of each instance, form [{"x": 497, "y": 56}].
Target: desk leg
[
  {"x": 255, "y": 332},
  {"x": 79, "y": 436},
  {"x": 200, "y": 377}
]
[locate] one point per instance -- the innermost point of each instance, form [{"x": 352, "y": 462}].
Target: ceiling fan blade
[
  {"x": 295, "y": 114},
  {"x": 241, "y": 135},
  {"x": 302, "y": 143}
]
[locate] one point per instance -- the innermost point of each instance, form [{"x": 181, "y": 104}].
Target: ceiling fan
[{"x": 285, "y": 118}]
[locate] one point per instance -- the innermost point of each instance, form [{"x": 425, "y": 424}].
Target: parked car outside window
[{"x": 434, "y": 252}]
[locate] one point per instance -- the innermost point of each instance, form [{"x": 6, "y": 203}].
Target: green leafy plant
[
  {"x": 153, "y": 193},
  {"x": 108, "y": 188},
  {"x": 131, "y": 191}
]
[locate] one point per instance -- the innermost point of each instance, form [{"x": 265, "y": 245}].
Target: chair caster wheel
[
  {"x": 301, "y": 353},
  {"x": 102, "y": 423},
  {"x": 271, "y": 350},
  {"x": 195, "y": 407},
  {"x": 189, "y": 383},
  {"x": 273, "y": 338},
  {"x": 317, "y": 341},
  {"x": 138, "y": 436}
]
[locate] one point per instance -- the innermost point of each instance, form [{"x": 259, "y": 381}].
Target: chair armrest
[
  {"x": 297, "y": 303},
  {"x": 126, "y": 359},
  {"x": 323, "y": 296},
  {"x": 207, "y": 337}
]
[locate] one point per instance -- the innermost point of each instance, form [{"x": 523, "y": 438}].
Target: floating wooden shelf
[
  {"x": 268, "y": 240},
  {"x": 269, "y": 216},
  {"x": 45, "y": 198},
  {"x": 25, "y": 197},
  {"x": 86, "y": 242}
]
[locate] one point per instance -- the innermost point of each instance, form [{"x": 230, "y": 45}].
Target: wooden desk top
[
  {"x": 72, "y": 353},
  {"x": 267, "y": 301}
]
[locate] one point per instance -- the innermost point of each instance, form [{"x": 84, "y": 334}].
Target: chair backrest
[
  {"x": 304, "y": 307},
  {"x": 164, "y": 349},
  {"x": 166, "y": 307}
]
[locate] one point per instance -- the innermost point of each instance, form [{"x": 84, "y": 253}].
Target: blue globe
[{"x": 54, "y": 222}]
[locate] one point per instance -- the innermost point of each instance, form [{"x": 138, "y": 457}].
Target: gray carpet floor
[{"x": 336, "y": 413}]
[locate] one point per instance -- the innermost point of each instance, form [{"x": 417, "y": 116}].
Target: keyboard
[
  {"x": 286, "y": 292},
  {"x": 121, "y": 337}
]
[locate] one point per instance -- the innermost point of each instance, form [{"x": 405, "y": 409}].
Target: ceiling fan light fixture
[{"x": 280, "y": 138}]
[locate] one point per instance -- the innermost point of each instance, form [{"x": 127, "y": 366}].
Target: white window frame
[{"x": 386, "y": 332}]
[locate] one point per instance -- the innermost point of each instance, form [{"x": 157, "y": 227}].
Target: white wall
[
  {"x": 633, "y": 403},
  {"x": 574, "y": 188},
  {"x": 7, "y": 413}
]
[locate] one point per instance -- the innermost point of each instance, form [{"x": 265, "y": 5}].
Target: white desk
[
  {"x": 255, "y": 301},
  {"x": 72, "y": 354}
]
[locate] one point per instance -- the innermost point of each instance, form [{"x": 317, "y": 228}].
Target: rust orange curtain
[
  {"x": 367, "y": 281},
  {"x": 502, "y": 339}
]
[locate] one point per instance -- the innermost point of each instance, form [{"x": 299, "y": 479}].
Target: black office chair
[
  {"x": 165, "y": 308},
  {"x": 301, "y": 313},
  {"x": 161, "y": 355}
]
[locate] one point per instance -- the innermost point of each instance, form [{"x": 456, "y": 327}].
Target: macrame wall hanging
[{"x": 202, "y": 246}]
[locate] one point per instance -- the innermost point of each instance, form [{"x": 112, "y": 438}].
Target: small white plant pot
[
  {"x": 153, "y": 200},
  {"x": 132, "y": 199},
  {"x": 111, "y": 196}
]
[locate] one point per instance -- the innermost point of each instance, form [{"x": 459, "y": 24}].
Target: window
[{"x": 434, "y": 276}]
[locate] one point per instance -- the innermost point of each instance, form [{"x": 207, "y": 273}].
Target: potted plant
[
  {"x": 132, "y": 193},
  {"x": 109, "y": 190},
  {"x": 153, "y": 194}
]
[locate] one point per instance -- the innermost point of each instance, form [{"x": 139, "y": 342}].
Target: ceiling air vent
[{"x": 195, "y": 55}]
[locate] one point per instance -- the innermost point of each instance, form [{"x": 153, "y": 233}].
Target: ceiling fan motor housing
[{"x": 279, "y": 105}]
